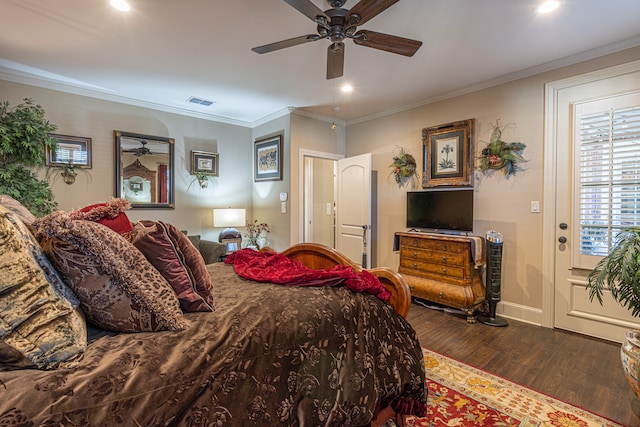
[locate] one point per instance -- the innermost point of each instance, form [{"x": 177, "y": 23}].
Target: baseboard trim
[{"x": 520, "y": 312}]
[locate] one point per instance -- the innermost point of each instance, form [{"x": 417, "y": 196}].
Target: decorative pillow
[
  {"x": 155, "y": 241},
  {"x": 38, "y": 328},
  {"x": 192, "y": 259},
  {"x": 110, "y": 214},
  {"x": 118, "y": 288},
  {"x": 17, "y": 208}
]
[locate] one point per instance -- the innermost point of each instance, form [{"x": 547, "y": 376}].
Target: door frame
[
  {"x": 551, "y": 108},
  {"x": 302, "y": 154}
]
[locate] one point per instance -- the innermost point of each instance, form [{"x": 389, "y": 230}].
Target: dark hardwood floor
[{"x": 580, "y": 370}]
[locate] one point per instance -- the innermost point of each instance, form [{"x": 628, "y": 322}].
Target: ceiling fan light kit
[{"x": 337, "y": 24}]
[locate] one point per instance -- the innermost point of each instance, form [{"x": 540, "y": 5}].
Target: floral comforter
[{"x": 269, "y": 355}]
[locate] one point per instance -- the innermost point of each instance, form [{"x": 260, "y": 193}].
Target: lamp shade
[{"x": 229, "y": 217}]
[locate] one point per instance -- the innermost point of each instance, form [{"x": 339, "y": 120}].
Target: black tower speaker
[{"x": 493, "y": 279}]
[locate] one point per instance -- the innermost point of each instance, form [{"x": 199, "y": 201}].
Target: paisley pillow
[{"x": 118, "y": 288}]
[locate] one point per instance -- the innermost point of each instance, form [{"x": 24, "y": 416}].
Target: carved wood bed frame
[{"x": 318, "y": 256}]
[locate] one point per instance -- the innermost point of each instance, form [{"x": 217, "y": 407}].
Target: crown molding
[{"x": 507, "y": 78}]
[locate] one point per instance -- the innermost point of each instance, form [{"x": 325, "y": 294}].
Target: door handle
[{"x": 562, "y": 239}]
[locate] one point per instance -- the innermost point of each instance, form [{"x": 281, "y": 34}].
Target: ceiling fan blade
[
  {"x": 286, "y": 43},
  {"x": 368, "y": 9},
  {"x": 387, "y": 42},
  {"x": 307, "y": 8},
  {"x": 335, "y": 60}
]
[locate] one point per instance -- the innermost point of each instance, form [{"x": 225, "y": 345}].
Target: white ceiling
[{"x": 164, "y": 51}]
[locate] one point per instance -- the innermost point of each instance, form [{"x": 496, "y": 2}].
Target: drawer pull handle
[
  {"x": 444, "y": 246},
  {"x": 415, "y": 254},
  {"x": 415, "y": 243},
  {"x": 440, "y": 295},
  {"x": 444, "y": 259},
  {"x": 415, "y": 265},
  {"x": 444, "y": 271}
]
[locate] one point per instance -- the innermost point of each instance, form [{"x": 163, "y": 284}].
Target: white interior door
[
  {"x": 353, "y": 208},
  {"x": 582, "y": 231}
]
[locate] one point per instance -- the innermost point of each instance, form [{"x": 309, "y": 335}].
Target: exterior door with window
[{"x": 597, "y": 195}]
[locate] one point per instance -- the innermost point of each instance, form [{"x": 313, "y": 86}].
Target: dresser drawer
[
  {"x": 434, "y": 257},
  {"x": 427, "y": 269},
  {"x": 434, "y": 244},
  {"x": 441, "y": 268}
]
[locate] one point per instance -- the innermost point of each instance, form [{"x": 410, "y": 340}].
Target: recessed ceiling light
[
  {"x": 347, "y": 88},
  {"x": 120, "y": 5},
  {"x": 548, "y": 6}
]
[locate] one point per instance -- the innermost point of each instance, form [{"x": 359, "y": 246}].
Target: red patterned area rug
[{"x": 461, "y": 395}]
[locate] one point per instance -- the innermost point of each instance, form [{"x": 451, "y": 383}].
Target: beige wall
[
  {"x": 500, "y": 204},
  {"x": 235, "y": 187},
  {"x": 87, "y": 117},
  {"x": 266, "y": 194}
]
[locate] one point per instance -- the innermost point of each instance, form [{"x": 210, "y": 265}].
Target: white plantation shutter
[{"x": 607, "y": 173}]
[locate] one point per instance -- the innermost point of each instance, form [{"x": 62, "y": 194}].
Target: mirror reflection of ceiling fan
[
  {"x": 139, "y": 151},
  {"x": 337, "y": 24}
]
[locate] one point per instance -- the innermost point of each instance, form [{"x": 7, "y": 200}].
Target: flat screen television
[{"x": 441, "y": 210}]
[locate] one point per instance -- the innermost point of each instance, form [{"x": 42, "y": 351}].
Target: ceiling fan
[{"x": 337, "y": 24}]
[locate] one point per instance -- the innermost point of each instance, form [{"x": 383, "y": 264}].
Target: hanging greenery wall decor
[
  {"x": 404, "y": 167},
  {"x": 501, "y": 155}
]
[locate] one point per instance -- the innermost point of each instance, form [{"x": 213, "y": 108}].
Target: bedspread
[
  {"x": 276, "y": 268},
  {"x": 269, "y": 355}
]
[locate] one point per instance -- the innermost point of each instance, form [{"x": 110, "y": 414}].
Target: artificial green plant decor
[
  {"x": 501, "y": 155},
  {"x": 404, "y": 167},
  {"x": 619, "y": 272},
  {"x": 24, "y": 134}
]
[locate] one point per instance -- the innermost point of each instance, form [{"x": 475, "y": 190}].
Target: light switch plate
[{"x": 535, "y": 206}]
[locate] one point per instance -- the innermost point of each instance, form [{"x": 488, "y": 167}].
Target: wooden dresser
[{"x": 441, "y": 268}]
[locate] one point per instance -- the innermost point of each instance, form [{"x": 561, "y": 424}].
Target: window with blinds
[{"x": 608, "y": 173}]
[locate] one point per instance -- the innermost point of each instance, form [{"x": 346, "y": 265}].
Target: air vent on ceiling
[{"x": 200, "y": 101}]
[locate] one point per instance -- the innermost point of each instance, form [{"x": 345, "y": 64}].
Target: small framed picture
[
  {"x": 70, "y": 150},
  {"x": 232, "y": 244},
  {"x": 268, "y": 159},
  {"x": 205, "y": 163},
  {"x": 447, "y": 152}
]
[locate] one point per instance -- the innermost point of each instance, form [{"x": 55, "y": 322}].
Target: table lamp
[{"x": 229, "y": 218}]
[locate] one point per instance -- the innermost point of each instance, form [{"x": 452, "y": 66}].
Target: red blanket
[{"x": 276, "y": 268}]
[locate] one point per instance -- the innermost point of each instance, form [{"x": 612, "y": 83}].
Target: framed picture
[
  {"x": 446, "y": 150},
  {"x": 232, "y": 244},
  {"x": 71, "y": 150},
  {"x": 268, "y": 159},
  {"x": 204, "y": 163}
]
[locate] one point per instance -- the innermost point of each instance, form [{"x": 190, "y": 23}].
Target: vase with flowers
[{"x": 256, "y": 235}]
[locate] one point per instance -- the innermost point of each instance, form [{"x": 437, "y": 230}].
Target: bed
[{"x": 268, "y": 355}]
